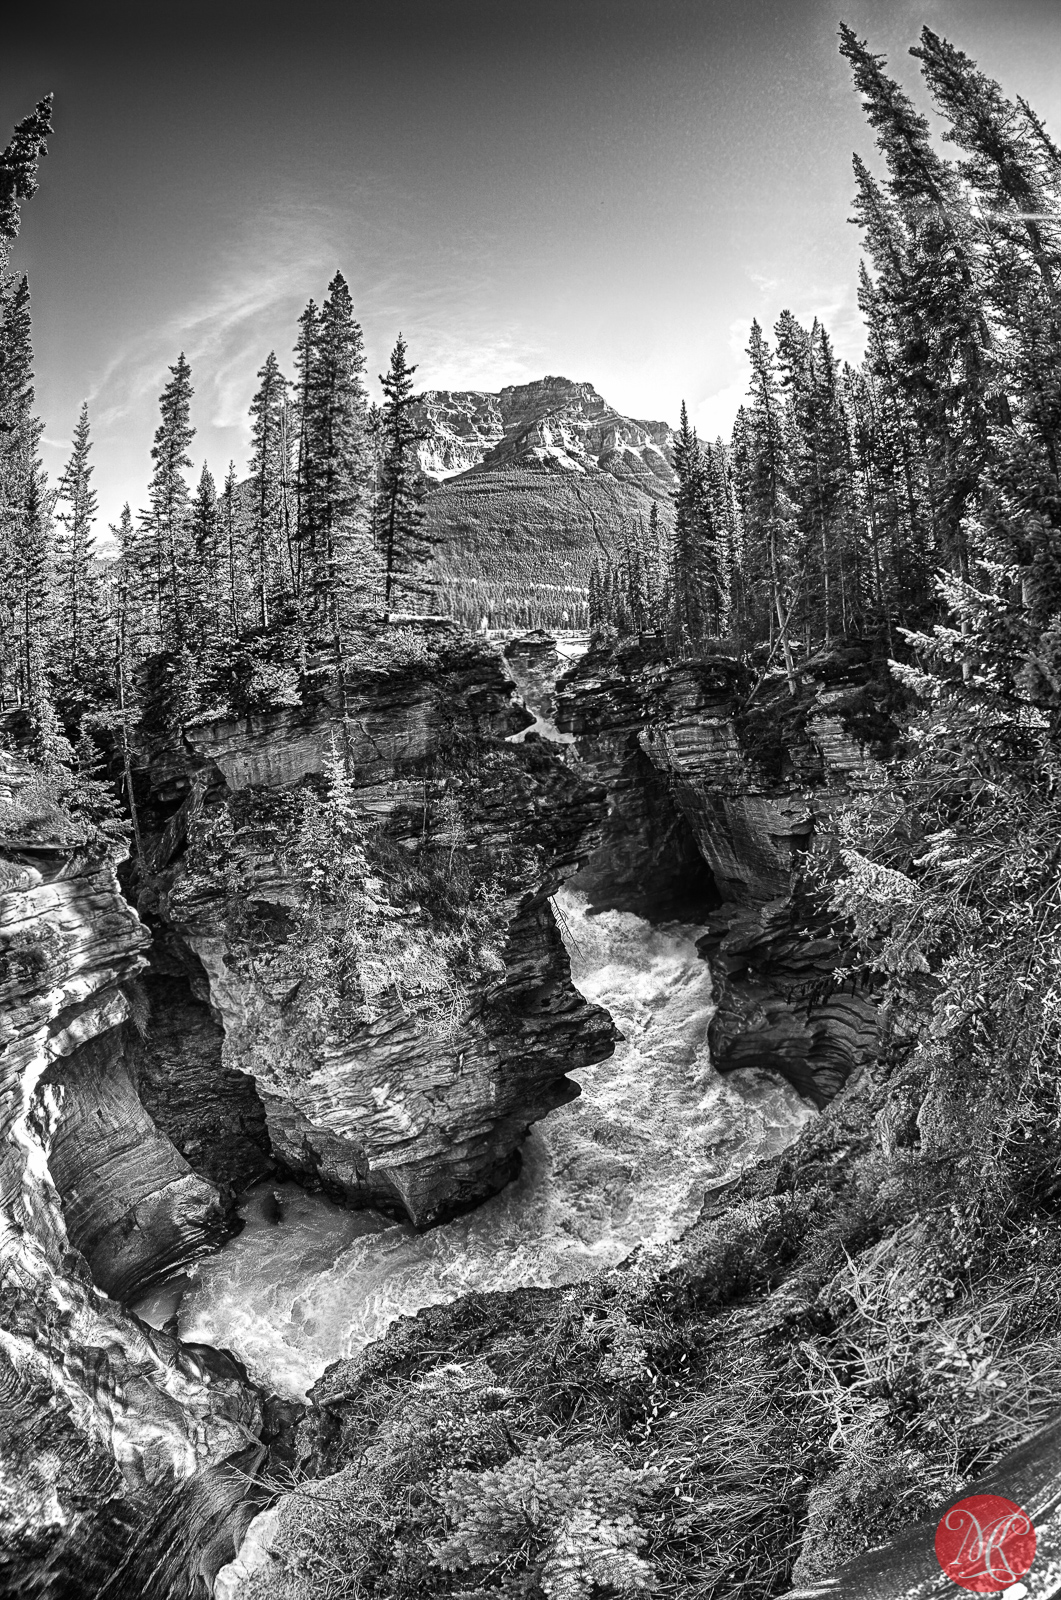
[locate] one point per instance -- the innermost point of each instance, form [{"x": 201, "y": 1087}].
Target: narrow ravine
[{"x": 626, "y": 1164}]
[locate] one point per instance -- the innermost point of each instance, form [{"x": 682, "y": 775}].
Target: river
[{"x": 625, "y": 1164}]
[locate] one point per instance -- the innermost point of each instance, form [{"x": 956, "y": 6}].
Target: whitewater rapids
[{"x": 625, "y": 1164}]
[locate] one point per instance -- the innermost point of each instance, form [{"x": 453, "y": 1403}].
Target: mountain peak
[{"x": 552, "y": 424}]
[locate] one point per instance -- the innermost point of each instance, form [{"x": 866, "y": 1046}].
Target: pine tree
[
  {"x": 404, "y": 546},
  {"x": 1006, "y": 163},
  {"x": 942, "y": 347},
  {"x": 166, "y": 524},
  {"x": 79, "y": 657},
  {"x": 306, "y": 532},
  {"x": 235, "y": 581},
  {"x": 47, "y": 745},
  {"x": 336, "y": 558},
  {"x": 18, "y": 171},
  {"x": 768, "y": 511},
  {"x": 24, "y": 514},
  {"x": 19, "y": 437},
  {"x": 269, "y": 550},
  {"x": 207, "y": 619},
  {"x": 131, "y": 628},
  {"x": 133, "y": 574},
  {"x": 696, "y": 582}
]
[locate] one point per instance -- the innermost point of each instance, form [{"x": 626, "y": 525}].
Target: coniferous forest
[
  {"x": 380, "y": 874},
  {"x": 911, "y": 498}
]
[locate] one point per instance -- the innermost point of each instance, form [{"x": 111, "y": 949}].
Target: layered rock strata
[
  {"x": 551, "y": 424},
  {"x": 694, "y": 785},
  {"x": 439, "y": 1019},
  {"x": 117, "y": 1444}
]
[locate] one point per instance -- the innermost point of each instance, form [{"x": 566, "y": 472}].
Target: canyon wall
[
  {"x": 117, "y": 1443},
  {"x": 711, "y": 814},
  {"x": 344, "y": 967},
  {"x": 358, "y": 888}
]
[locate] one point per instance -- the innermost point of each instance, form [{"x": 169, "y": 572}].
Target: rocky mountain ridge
[{"x": 552, "y": 424}]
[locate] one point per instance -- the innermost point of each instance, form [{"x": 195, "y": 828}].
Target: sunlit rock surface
[
  {"x": 551, "y": 423},
  {"x": 401, "y": 1105},
  {"x": 693, "y": 786}
]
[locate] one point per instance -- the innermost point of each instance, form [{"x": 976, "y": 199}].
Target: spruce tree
[
  {"x": 207, "y": 620},
  {"x": 235, "y": 582},
  {"x": 166, "y": 524},
  {"x": 943, "y": 344},
  {"x": 133, "y": 572},
  {"x": 20, "y": 434},
  {"x": 335, "y": 479},
  {"x": 47, "y": 744},
  {"x": 696, "y": 580},
  {"x": 80, "y": 648},
  {"x": 404, "y": 547},
  {"x": 306, "y": 532},
  {"x": 24, "y": 514},
  {"x": 269, "y": 552},
  {"x": 768, "y": 511}
]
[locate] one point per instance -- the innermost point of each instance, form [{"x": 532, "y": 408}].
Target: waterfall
[{"x": 627, "y": 1163}]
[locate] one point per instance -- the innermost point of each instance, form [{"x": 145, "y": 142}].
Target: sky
[{"x": 608, "y": 190}]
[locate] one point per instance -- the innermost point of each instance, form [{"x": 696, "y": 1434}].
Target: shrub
[{"x": 566, "y": 1514}]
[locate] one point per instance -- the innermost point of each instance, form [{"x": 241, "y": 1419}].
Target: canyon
[{"x": 160, "y": 1059}]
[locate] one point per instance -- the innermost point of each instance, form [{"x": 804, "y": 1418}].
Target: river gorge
[{"x": 597, "y": 1014}]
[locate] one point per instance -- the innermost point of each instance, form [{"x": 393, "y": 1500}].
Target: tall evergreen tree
[
  {"x": 304, "y": 550},
  {"x": 235, "y": 581},
  {"x": 768, "y": 510},
  {"x": 207, "y": 620},
  {"x": 166, "y": 525},
  {"x": 335, "y": 491},
  {"x": 269, "y": 546},
  {"x": 942, "y": 342},
  {"x": 80, "y": 654},
  {"x": 23, "y": 512},
  {"x": 403, "y": 544},
  {"x": 696, "y": 587}
]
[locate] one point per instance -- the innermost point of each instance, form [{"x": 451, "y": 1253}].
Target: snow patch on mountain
[{"x": 552, "y": 425}]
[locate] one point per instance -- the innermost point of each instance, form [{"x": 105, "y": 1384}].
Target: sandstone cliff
[{"x": 711, "y": 813}]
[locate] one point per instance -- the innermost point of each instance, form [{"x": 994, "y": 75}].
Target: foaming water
[{"x": 625, "y": 1164}]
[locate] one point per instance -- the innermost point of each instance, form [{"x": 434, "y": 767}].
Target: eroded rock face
[
  {"x": 551, "y": 424},
  {"x": 436, "y": 1018},
  {"x": 115, "y": 1442},
  {"x": 210, "y": 1113},
  {"x": 685, "y": 777}
]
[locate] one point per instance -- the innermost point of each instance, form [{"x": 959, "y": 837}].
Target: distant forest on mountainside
[{"x": 908, "y": 507}]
